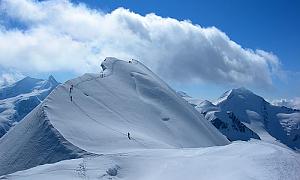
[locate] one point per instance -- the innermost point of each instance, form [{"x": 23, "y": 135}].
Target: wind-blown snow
[{"x": 126, "y": 97}]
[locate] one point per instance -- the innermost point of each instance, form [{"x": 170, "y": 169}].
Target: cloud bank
[{"x": 57, "y": 35}]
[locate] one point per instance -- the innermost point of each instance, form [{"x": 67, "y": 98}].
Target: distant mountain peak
[
  {"x": 238, "y": 93},
  {"x": 51, "y": 82},
  {"x": 241, "y": 90},
  {"x": 18, "y": 99},
  {"x": 52, "y": 79},
  {"x": 27, "y": 79}
]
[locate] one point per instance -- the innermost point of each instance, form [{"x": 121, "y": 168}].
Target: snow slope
[
  {"x": 240, "y": 160},
  {"x": 126, "y": 97},
  {"x": 18, "y": 99},
  {"x": 271, "y": 123}
]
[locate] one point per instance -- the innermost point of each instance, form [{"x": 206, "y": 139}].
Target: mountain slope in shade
[
  {"x": 226, "y": 122},
  {"x": 95, "y": 116},
  {"x": 241, "y": 115},
  {"x": 18, "y": 99},
  {"x": 271, "y": 123}
]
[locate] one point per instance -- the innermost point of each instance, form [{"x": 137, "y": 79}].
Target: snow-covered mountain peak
[
  {"x": 49, "y": 83},
  {"x": 240, "y": 114},
  {"x": 271, "y": 123},
  {"x": 242, "y": 90},
  {"x": 244, "y": 93},
  {"x": 52, "y": 80},
  {"x": 18, "y": 99},
  {"x": 239, "y": 94},
  {"x": 27, "y": 85},
  {"x": 124, "y": 108}
]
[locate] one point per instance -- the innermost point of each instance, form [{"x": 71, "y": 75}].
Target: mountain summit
[{"x": 125, "y": 108}]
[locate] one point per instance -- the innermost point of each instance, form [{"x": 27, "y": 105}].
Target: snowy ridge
[
  {"x": 141, "y": 106},
  {"x": 95, "y": 116}
]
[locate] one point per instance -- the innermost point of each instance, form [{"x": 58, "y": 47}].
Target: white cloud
[
  {"x": 63, "y": 36},
  {"x": 9, "y": 76},
  {"x": 291, "y": 103}
]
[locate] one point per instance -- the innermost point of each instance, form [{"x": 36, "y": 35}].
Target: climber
[
  {"x": 128, "y": 134},
  {"x": 71, "y": 88}
]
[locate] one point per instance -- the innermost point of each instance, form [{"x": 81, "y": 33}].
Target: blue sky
[
  {"x": 271, "y": 26},
  {"x": 257, "y": 24}
]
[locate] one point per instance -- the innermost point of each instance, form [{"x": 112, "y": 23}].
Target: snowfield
[{"x": 240, "y": 160}]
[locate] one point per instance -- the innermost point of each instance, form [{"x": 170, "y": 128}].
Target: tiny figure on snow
[
  {"x": 128, "y": 134},
  {"x": 71, "y": 88}
]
